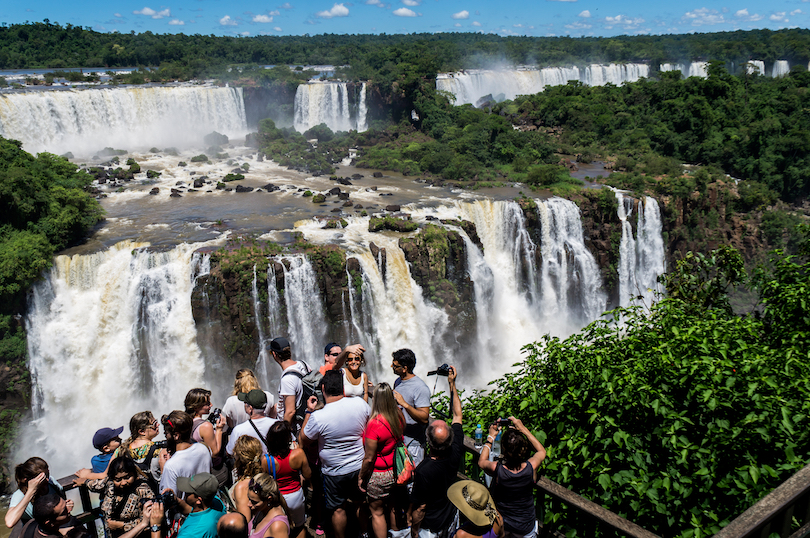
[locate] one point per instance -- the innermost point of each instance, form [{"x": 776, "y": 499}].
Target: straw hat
[{"x": 474, "y": 501}]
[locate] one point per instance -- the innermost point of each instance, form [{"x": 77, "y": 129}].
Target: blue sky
[{"x": 510, "y": 17}]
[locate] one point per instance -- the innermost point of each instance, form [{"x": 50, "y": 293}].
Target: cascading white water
[
  {"x": 755, "y": 67},
  {"x": 470, "y": 86},
  {"x": 86, "y": 121},
  {"x": 698, "y": 69},
  {"x": 781, "y": 68},
  {"x": 641, "y": 259},
  {"x": 328, "y": 102},
  {"x": 265, "y": 369},
  {"x": 302, "y": 297},
  {"x": 671, "y": 67},
  {"x": 571, "y": 279},
  {"x": 109, "y": 334}
]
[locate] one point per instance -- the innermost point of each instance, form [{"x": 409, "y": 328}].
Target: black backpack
[{"x": 311, "y": 385}]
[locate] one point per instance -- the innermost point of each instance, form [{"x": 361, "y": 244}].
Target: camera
[
  {"x": 503, "y": 422},
  {"x": 444, "y": 370},
  {"x": 160, "y": 444},
  {"x": 213, "y": 416},
  {"x": 168, "y": 499}
]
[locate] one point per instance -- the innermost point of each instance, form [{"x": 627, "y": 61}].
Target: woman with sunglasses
[
  {"x": 247, "y": 454},
  {"x": 123, "y": 494},
  {"x": 269, "y": 517},
  {"x": 355, "y": 381}
]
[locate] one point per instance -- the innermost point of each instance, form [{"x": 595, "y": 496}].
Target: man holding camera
[
  {"x": 258, "y": 423},
  {"x": 186, "y": 457},
  {"x": 413, "y": 396},
  {"x": 432, "y": 515}
]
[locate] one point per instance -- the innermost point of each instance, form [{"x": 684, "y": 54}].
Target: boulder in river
[{"x": 242, "y": 188}]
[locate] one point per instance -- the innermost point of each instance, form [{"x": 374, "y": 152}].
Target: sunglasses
[
  {"x": 354, "y": 359},
  {"x": 255, "y": 488},
  {"x": 334, "y": 354}
]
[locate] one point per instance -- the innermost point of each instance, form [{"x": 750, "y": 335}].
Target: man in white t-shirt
[
  {"x": 290, "y": 386},
  {"x": 255, "y": 404},
  {"x": 337, "y": 428},
  {"x": 187, "y": 457}
]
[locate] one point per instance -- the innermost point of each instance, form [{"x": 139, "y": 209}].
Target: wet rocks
[
  {"x": 271, "y": 188},
  {"x": 377, "y": 174},
  {"x": 334, "y": 191},
  {"x": 242, "y": 188},
  {"x": 154, "y": 191},
  {"x": 318, "y": 199},
  {"x": 198, "y": 183},
  {"x": 343, "y": 181},
  {"x": 393, "y": 208}
]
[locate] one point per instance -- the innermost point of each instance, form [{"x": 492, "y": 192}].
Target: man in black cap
[
  {"x": 205, "y": 508},
  {"x": 257, "y": 425},
  {"x": 106, "y": 440},
  {"x": 290, "y": 386}
]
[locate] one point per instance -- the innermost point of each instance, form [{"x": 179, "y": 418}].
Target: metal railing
[{"x": 89, "y": 515}]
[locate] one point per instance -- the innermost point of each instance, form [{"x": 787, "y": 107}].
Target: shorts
[
  {"x": 295, "y": 506},
  {"x": 338, "y": 489},
  {"x": 380, "y": 484}
]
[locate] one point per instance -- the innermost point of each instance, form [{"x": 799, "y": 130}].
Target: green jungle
[{"x": 679, "y": 418}]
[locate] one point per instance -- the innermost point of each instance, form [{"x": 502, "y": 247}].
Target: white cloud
[
  {"x": 149, "y": 12},
  {"x": 457, "y": 25},
  {"x": 625, "y": 22},
  {"x": 795, "y": 12},
  {"x": 704, "y": 16},
  {"x": 118, "y": 15},
  {"x": 338, "y": 10},
  {"x": 176, "y": 22},
  {"x": 578, "y": 26},
  {"x": 779, "y": 16},
  {"x": 585, "y": 14},
  {"x": 461, "y": 15},
  {"x": 244, "y": 34},
  {"x": 262, "y": 18},
  {"x": 227, "y": 21},
  {"x": 476, "y": 23},
  {"x": 377, "y": 3},
  {"x": 285, "y": 5},
  {"x": 411, "y": 3},
  {"x": 744, "y": 15},
  {"x": 404, "y": 12},
  {"x": 277, "y": 28}
]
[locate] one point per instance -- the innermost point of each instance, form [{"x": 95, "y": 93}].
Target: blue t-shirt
[
  {"x": 99, "y": 462},
  {"x": 203, "y": 524}
]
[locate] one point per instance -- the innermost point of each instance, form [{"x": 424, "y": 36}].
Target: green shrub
[
  {"x": 233, "y": 177},
  {"x": 201, "y": 158}
]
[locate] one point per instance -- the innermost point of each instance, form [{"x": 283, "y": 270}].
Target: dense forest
[{"x": 51, "y": 45}]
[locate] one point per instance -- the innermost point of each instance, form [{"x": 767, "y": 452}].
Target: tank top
[
  {"x": 259, "y": 533},
  {"x": 353, "y": 390},
  {"x": 289, "y": 480},
  {"x": 513, "y": 494},
  {"x": 216, "y": 460}
]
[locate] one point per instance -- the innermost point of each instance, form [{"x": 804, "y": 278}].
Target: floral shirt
[{"x": 127, "y": 509}]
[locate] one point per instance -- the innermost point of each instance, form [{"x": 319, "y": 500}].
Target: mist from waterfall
[
  {"x": 328, "y": 102},
  {"x": 85, "y": 121}
]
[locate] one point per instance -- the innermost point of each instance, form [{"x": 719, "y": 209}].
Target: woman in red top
[
  {"x": 286, "y": 466},
  {"x": 377, "y": 478}
]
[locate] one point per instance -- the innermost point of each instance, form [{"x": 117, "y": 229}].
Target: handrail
[
  {"x": 774, "y": 513},
  {"x": 89, "y": 514},
  {"x": 589, "y": 508}
]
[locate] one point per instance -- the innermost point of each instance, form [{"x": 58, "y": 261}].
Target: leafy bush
[
  {"x": 232, "y": 177},
  {"x": 754, "y": 195},
  {"x": 201, "y": 158},
  {"x": 546, "y": 174}
]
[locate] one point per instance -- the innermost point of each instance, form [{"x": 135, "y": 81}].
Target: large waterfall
[
  {"x": 330, "y": 103},
  {"x": 469, "y": 87},
  {"x": 699, "y": 69},
  {"x": 86, "y": 121},
  {"x": 641, "y": 258}
]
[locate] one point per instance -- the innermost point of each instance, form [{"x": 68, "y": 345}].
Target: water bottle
[
  {"x": 479, "y": 437},
  {"x": 496, "y": 447}
]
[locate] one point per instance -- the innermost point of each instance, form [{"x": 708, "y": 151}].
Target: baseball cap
[
  {"x": 277, "y": 344},
  {"x": 203, "y": 484},
  {"x": 104, "y": 435},
  {"x": 255, "y": 398}
]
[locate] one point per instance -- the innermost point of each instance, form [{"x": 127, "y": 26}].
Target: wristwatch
[{"x": 155, "y": 528}]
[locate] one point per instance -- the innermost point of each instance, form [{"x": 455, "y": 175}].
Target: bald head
[
  {"x": 232, "y": 525},
  {"x": 439, "y": 439}
]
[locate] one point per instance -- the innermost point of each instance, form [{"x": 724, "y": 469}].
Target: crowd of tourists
[{"x": 329, "y": 454}]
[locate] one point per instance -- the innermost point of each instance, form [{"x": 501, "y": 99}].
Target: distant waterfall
[
  {"x": 328, "y": 102},
  {"x": 302, "y": 297},
  {"x": 265, "y": 369},
  {"x": 641, "y": 258},
  {"x": 470, "y": 86},
  {"x": 86, "y": 121},
  {"x": 755, "y": 67},
  {"x": 781, "y": 68},
  {"x": 109, "y": 334}
]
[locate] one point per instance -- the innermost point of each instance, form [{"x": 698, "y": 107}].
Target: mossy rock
[
  {"x": 151, "y": 174},
  {"x": 318, "y": 199},
  {"x": 182, "y": 163},
  {"x": 377, "y": 224},
  {"x": 135, "y": 168},
  {"x": 201, "y": 158},
  {"x": 307, "y": 194},
  {"x": 233, "y": 177},
  {"x": 336, "y": 223}
]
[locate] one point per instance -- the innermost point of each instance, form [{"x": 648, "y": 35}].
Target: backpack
[{"x": 311, "y": 386}]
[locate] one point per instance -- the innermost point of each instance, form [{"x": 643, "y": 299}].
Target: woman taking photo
[
  {"x": 286, "y": 465},
  {"x": 247, "y": 453},
  {"x": 376, "y": 479},
  {"x": 513, "y": 479},
  {"x": 123, "y": 494},
  {"x": 198, "y": 403},
  {"x": 355, "y": 382},
  {"x": 267, "y": 508}
]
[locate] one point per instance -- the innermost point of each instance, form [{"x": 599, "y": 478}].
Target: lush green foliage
[
  {"x": 679, "y": 417},
  {"x": 43, "y": 208}
]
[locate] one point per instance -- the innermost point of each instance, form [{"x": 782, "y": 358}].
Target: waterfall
[
  {"x": 86, "y": 121},
  {"x": 109, "y": 334},
  {"x": 263, "y": 360},
  {"x": 641, "y": 259},
  {"x": 470, "y": 86},
  {"x": 671, "y": 67},
  {"x": 305, "y": 312},
  {"x": 781, "y": 68},
  {"x": 328, "y": 102},
  {"x": 571, "y": 279},
  {"x": 755, "y": 67},
  {"x": 698, "y": 69},
  {"x": 266, "y": 371}
]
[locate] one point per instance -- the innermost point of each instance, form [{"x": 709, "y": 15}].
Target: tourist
[
  {"x": 337, "y": 429},
  {"x": 413, "y": 396},
  {"x": 123, "y": 492},
  {"x": 355, "y": 381},
  {"x": 186, "y": 458},
  {"x": 269, "y": 516},
  {"x": 33, "y": 481},
  {"x": 330, "y": 355},
  {"x": 290, "y": 386},
  {"x": 383, "y": 431},
  {"x": 432, "y": 515},
  {"x": 51, "y": 518},
  {"x": 232, "y": 525},
  {"x": 200, "y": 495},
  {"x": 287, "y": 465},
  {"x": 234, "y": 408},
  {"x": 198, "y": 404},
  {"x": 258, "y": 424},
  {"x": 247, "y": 454},
  {"x": 514, "y": 477},
  {"x": 143, "y": 427},
  {"x": 106, "y": 441},
  {"x": 477, "y": 516}
]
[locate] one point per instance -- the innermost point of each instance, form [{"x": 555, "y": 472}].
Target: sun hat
[{"x": 474, "y": 501}]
